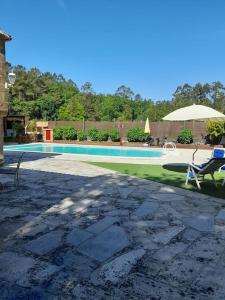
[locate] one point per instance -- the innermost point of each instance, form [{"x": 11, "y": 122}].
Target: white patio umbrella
[
  {"x": 194, "y": 112},
  {"x": 147, "y": 126}
]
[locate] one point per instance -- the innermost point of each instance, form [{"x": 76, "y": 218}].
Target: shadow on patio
[{"x": 75, "y": 231}]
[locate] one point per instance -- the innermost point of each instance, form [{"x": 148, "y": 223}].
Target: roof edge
[{"x": 6, "y": 36}]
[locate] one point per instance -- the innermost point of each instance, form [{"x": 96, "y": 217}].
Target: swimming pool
[{"x": 86, "y": 150}]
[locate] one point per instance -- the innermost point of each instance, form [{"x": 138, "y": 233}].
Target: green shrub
[
  {"x": 81, "y": 136},
  {"x": 136, "y": 135},
  {"x": 93, "y": 134},
  {"x": 185, "y": 136},
  {"x": 58, "y": 133},
  {"x": 103, "y": 135},
  {"x": 64, "y": 133},
  {"x": 69, "y": 133},
  {"x": 114, "y": 135},
  {"x": 216, "y": 130}
]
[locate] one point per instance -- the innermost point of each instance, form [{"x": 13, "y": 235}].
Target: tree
[
  {"x": 88, "y": 101},
  {"x": 72, "y": 110},
  {"x": 87, "y": 88},
  {"x": 124, "y": 92},
  {"x": 218, "y": 96},
  {"x": 45, "y": 95},
  {"x": 182, "y": 96},
  {"x": 200, "y": 94},
  {"x": 137, "y": 97}
]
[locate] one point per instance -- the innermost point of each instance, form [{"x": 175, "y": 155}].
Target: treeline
[{"x": 43, "y": 95}]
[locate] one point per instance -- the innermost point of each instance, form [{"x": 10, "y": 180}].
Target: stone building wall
[{"x": 3, "y": 92}]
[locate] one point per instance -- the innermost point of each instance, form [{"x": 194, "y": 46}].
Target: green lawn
[{"x": 169, "y": 174}]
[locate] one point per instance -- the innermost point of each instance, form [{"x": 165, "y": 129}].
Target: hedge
[
  {"x": 102, "y": 136},
  {"x": 58, "y": 133},
  {"x": 114, "y": 135},
  {"x": 185, "y": 136},
  {"x": 64, "y": 133},
  {"x": 93, "y": 134},
  {"x": 136, "y": 135},
  {"x": 81, "y": 136}
]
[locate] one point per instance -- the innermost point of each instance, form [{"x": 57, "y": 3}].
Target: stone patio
[{"x": 76, "y": 231}]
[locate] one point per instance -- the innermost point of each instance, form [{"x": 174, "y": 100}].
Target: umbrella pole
[{"x": 193, "y": 155}]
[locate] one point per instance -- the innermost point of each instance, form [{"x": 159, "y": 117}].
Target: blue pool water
[{"x": 86, "y": 150}]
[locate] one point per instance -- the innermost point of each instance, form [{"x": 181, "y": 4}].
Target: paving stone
[
  {"x": 167, "y": 197},
  {"x": 147, "y": 243},
  {"x": 84, "y": 292},
  {"x": 166, "y": 235},
  {"x": 194, "y": 207},
  {"x": 110, "y": 191},
  {"x": 169, "y": 251},
  {"x": 54, "y": 221},
  {"x": 6, "y": 212},
  {"x": 14, "y": 292},
  {"x": 210, "y": 281},
  {"x": 149, "y": 266},
  {"x": 78, "y": 207},
  {"x": 201, "y": 223},
  {"x": 180, "y": 271},
  {"x": 30, "y": 230},
  {"x": 167, "y": 212},
  {"x": 14, "y": 266},
  {"x": 77, "y": 222},
  {"x": 141, "y": 194},
  {"x": 190, "y": 234},
  {"x": 95, "y": 193},
  {"x": 126, "y": 191},
  {"x": 146, "y": 208},
  {"x": 92, "y": 193},
  {"x": 152, "y": 224},
  {"x": 117, "y": 212},
  {"x": 8, "y": 228},
  {"x": 138, "y": 286},
  {"x": 45, "y": 243},
  {"x": 206, "y": 248},
  {"x": 130, "y": 204},
  {"x": 62, "y": 282},
  {"x": 167, "y": 189},
  {"x": 220, "y": 218},
  {"x": 117, "y": 269},
  {"x": 44, "y": 273},
  {"x": 137, "y": 233},
  {"x": 77, "y": 236},
  {"x": 105, "y": 244},
  {"x": 102, "y": 224},
  {"x": 220, "y": 231},
  {"x": 65, "y": 203},
  {"x": 81, "y": 266}
]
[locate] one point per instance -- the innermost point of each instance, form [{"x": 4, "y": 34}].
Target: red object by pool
[{"x": 48, "y": 135}]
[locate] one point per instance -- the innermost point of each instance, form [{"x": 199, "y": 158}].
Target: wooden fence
[{"x": 158, "y": 129}]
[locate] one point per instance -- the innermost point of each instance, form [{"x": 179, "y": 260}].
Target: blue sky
[{"x": 151, "y": 46}]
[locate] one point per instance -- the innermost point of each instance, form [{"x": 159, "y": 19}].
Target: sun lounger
[
  {"x": 198, "y": 172},
  {"x": 13, "y": 171}
]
